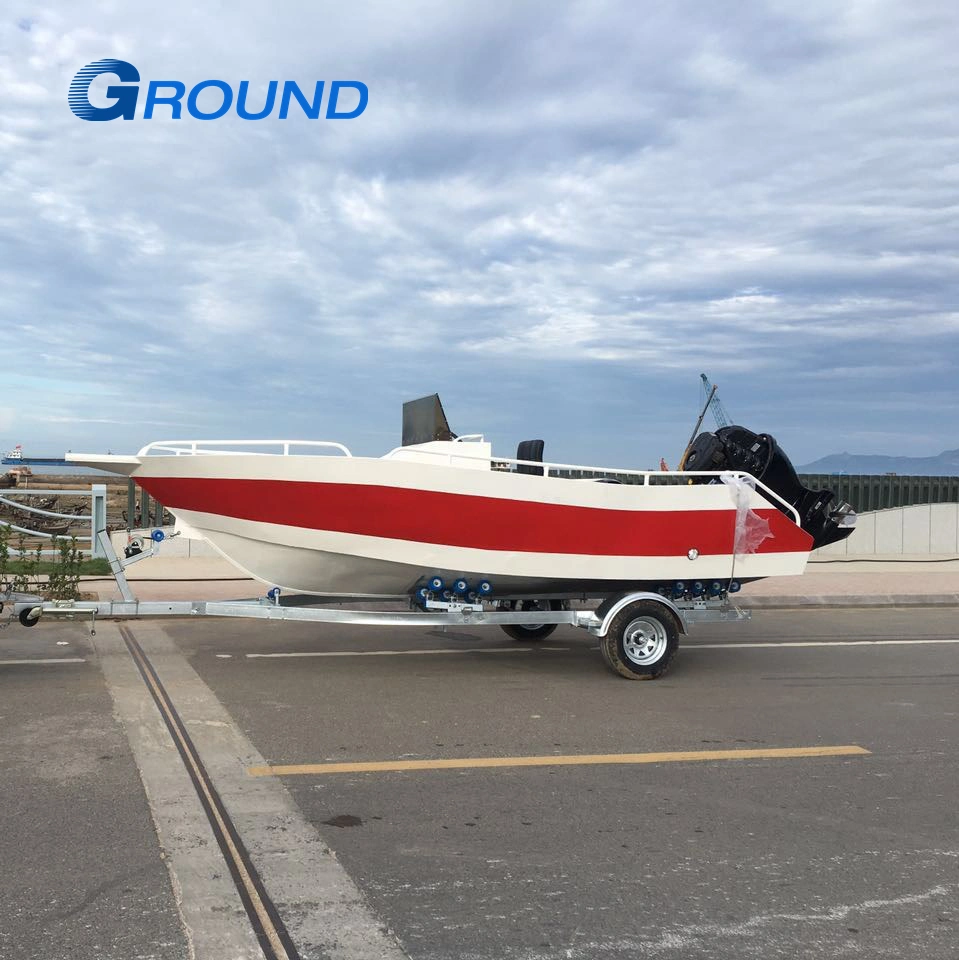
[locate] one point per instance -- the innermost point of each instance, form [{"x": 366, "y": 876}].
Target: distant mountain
[{"x": 945, "y": 465}]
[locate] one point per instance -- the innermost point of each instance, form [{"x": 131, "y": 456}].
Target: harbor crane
[{"x": 710, "y": 391}]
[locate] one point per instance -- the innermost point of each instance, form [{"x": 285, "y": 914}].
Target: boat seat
[{"x": 530, "y": 450}]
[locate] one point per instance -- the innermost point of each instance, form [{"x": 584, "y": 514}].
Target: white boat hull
[{"x": 364, "y": 527}]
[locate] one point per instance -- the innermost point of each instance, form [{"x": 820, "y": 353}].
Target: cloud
[{"x": 556, "y": 214}]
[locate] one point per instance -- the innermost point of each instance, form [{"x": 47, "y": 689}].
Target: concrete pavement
[
  {"x": 82, "y": 876},
  {"x": 887, "y": 584},
  {"x": 837, "y": 857},
  {"x": 806, "y": 849}
]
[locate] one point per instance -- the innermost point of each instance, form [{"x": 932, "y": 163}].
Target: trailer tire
[
  {"x": 605, "y": 655},
  {"x": 641, "y": 641},
  {"x": 533, "y": 632},
  {"x": 26, "y": 620}
]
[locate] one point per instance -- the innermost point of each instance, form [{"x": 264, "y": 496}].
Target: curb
[{"x": 864, "y": 600}]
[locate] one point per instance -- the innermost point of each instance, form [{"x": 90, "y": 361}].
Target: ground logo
[{"x": 218, "y": 97}]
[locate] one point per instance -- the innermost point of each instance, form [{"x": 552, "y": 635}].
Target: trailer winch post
[{"x": 116, "y": 566}]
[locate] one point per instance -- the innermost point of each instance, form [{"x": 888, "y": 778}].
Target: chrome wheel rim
[
  {"x": 644, "y": 641},
  {"x": 529, "y": 605}
]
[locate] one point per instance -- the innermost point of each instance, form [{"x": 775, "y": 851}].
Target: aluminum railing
[
  {"x": 644, "y": 477},
  {"x": 96, "y": 519},
  {"x": 556, "y": 469},
  {"x": 192, "y": 448}
]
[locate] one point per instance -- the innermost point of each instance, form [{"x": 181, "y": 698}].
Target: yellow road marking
[{"x": 677, "y": 756}]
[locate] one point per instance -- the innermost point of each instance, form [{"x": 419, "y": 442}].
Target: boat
[{"x": 442, "y": 512}]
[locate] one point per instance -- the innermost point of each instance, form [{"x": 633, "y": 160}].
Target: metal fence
[
  {"x": 867, "y": 493},
  {"x": 39, "y": 525},
  {"x": 142, "y": 511}
]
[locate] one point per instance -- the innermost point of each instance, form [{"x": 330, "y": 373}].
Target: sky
[{"x": 557, "y": 215}]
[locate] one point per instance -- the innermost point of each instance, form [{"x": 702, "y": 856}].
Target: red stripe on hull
[{"x": 482, "y": 523}]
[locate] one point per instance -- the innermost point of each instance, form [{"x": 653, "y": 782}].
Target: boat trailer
[{"x": 638, "y": 631}]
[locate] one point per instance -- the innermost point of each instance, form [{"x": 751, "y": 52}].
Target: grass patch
[{"x": 87, "y": 568}]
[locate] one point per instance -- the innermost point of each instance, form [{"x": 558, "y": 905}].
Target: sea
[
  {"x": 66, "y": 471},
  {"x": 58, "y": 471}
]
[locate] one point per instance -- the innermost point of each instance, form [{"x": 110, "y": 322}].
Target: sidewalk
[
  {"x": 179, "y": 578},
  {"x": 859, "y": 583},
  {"x": 883, "y": 588}
]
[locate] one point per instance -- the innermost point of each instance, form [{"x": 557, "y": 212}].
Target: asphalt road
[
  {"x": 850, "y": 855},
  {"x": 80, "y": 869}
]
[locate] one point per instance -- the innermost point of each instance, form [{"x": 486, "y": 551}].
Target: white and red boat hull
[{"x": 365, "y": 527}]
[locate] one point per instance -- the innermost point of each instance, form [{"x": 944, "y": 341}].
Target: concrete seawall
[{"x": 925, "y": 531}]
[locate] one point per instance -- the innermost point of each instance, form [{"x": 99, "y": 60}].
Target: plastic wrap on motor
[{"x": 751, "y": 529}]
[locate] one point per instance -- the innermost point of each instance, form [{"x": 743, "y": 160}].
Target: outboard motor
[{"x": 824, "y": 518}]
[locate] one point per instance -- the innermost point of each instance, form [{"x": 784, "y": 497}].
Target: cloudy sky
[{"x": 555, "y": 214}]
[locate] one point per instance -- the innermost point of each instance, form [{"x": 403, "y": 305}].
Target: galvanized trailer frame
[{"x": 638, "y": 631}]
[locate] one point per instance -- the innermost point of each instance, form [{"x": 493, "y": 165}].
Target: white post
[{"x": 98, "y": 518}]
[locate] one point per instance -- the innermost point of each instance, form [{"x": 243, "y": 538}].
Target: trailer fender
[{"x": 610, "y": 607}]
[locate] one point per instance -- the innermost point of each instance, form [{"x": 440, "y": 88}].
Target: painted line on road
[
  {"x": 820, "y": 643},
  {"x": 688, "y": 646},
  {"x": 270, "y": 931},
  {"x": 14, "y": 663},
  {"x": 681, "y": 756},
  {"x": 322, "y": 908},
  {"x": 385, "y": 653}
]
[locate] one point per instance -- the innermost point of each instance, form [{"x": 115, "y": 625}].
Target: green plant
[
  {"x": 51, "y": 569},
  {"x": 58, "y": 579},
  {"x": 25, "y": 569},
  {"x": 4, "y": 555},
  {"x": 64, "y": 575}
]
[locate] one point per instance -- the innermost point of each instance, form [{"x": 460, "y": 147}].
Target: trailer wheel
[
  {"x": 641, "y": 641},
  {"x": 530, "y": 632},
  {"x": 26, "y": 620}
]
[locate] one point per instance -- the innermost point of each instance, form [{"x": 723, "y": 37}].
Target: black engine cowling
[{"x": 824, "y": 518}]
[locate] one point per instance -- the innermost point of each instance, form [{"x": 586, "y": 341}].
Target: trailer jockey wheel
[
  {"x": 641, "y": 641},
  {"x": 27, "y": 619},
  {"x": 528, "y": 632}
]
